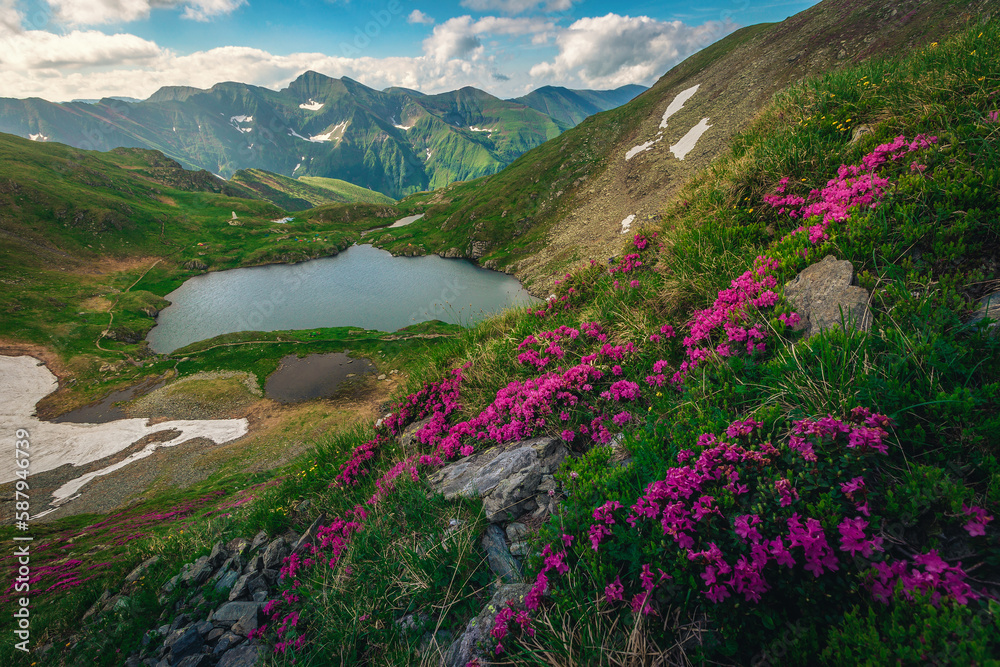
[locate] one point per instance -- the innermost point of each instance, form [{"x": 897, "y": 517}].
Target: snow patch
[
  {"x": 283, "y": 221},
  {"x": 627, "y": 223},
  {"x": 240, "y": 119},
  {"x": 293, "y": 133},
  {"x": 482, "y": 129},
  {"x": 403, "y": 222},
  {"x": 24, "y": 381},
  {"x": 428, "y": 154},
  {"x": 678, "y": 103},
  {"x": 402, "y": 127},
  {"x": 337, "y": 129},
  {"x": 635, "y": 150},
  {"x": 312, "y": 106},
  {"x": 297, "y": 167},
  {"x": 38, "y": 137},
  {"x": 688, "y": 141}
]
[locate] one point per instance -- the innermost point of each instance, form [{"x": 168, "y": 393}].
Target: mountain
[
  {"x": 573, "y": 106},
  {"x": 569, "y": 199},
  {"x": 296, "y": 194},
  {"x": 395, "y": 141}
]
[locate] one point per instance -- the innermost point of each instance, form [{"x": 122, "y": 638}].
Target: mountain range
[{"x": 396, "y": 141}]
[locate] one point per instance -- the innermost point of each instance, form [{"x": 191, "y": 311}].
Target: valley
[{"x": 730, "y": 394}]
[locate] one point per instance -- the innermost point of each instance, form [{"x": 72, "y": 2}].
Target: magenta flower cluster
[{"x": 855, "y": 186}]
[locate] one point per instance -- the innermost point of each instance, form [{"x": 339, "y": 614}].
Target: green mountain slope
[
  {"x": 566, "y": 200},
  {"x": 573, "y": 106},
  {"x": 306, "y": 192},
  {"x": 396, "y": 141}
]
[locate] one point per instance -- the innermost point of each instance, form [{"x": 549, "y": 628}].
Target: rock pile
[{"x": 203, "y": 631}]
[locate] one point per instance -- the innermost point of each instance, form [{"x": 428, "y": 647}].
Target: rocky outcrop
[
  {"x": 824, "y": 296},
  {"x": 506, "y": 477},
  {"x": 467, "y": 647},
  {"x": 243, "y": 572}
]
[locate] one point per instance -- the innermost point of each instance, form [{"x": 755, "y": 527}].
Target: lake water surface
[{"x": 362, "y": 286}]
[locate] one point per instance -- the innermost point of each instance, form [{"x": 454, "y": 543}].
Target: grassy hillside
[
  {"x": 307, "y": 192},
  {"x": 820, "y": 501},
  {"x": 91, "y": 242},
  {"x": 563, "y": 203}
]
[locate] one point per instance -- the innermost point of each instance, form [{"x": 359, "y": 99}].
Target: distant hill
[
  {"x": 573, "y": 106},
  {"x": 572, "y": 198},
  {"x": 395, "y": 141},
  {"x": 307, "y": 192}
]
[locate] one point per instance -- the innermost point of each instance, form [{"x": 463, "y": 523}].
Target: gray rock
[
  {"x": 203, "y": 627},
  {"x": 516, "y": 531},
  {"x": 498, "y": 556},
  {"x": 214, "y": 634},
  {"x": 197, "y": 573},
  {"x": 258, "y": 584},
  {"x": 218, "y": 555},
  {"x": 238, "y": 546},
  {"x": 185, "y": 644},
  {"x": 256, "y": 564},
  {"x": 548, "y": 483},
  {"x": 171, "y": 584},
  {"x": 989, "y": 308},
  {"x": 248, "y": 622},
  {"x": 519, "y": 549},
  {"x": 139, "y": 571},
  {"x": 259, "y": 540},
  {"x": 226, "y": 642},
  {"x": 308, "y": 536},
  {"x": 824, "y": 297},
  {"x": 230, "y": 612},
  {"x": 477, "y": 475},
  {"x": 226, "y": 582},
  {"x": 242, "y": 656},
  {"x": 181, "y": 621},
  {"x": 274, "y": 553},
  {"x": 260, "y": 596},
  {"x": 465, "y": 648},
  {"x": 510, "y": 497},
  {"x": 199, "y": 660},
  {"x": 241, "y": 587}
]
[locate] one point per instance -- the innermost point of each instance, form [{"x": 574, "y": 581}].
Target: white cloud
[
  {"x": 95, "y": 12},
  {"x": 417, "y": 16},
  {"x": 517, "y": 6},
  {"x": 459, "y": 37},
  {"x": 10, "y": 17},
  {"x": 613, "y": 50},
  {"x": 40, "y": 50}
]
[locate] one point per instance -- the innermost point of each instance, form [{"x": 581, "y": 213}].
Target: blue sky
[{"x": 65, "y": 49}]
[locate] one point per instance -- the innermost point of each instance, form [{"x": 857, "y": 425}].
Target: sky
[{"x": 61, "y": 50}]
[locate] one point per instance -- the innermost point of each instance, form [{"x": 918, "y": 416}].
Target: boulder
[
  {"x": 512, "y": 495},
  {"x": 477, "y": 475},
  {"x": 275, "y": 553},
  {"x": 259, "y": 540},
  {"x": 242, "y": 656},
  {"x": 199, "y": 660},
  {"x": 498, "y": 555},
  {"x": 465, "y": 649},
  {"x": 226, "y": 581},
  {"x": 227, "y": 641},
  {"x": 309, "y": 536},
  {"x": 184, "y": 643},
  {"x": 823, "y": 295},
  {"x": 138, "y": 572},
  {"x": 248, "y": 622},
  {"x": 410, "y": 433},
  {"x": 241, "y": 587},
  {"x": 230, "y": 612}
]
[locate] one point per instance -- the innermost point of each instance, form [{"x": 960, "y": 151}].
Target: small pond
[
  {"x": 362, "y": 286},
  {"x": 314, "y": 376}
]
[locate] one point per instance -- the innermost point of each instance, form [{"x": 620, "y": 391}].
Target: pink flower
[
  {"x": 976, "y": 526},
  {"x": 614, "y": 590}
]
